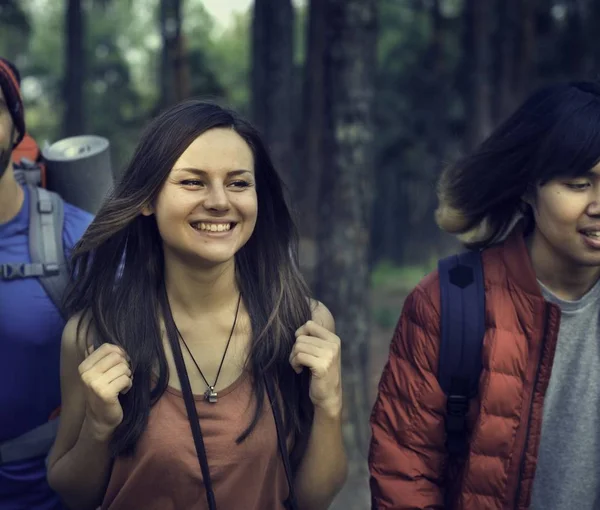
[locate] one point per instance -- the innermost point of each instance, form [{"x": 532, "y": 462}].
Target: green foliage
[
  {"x": 418, "y": 116},
  {"x": 385, "y": 317},
  {"x": 122, "y": 64},
  {"x": 388, "y": 276},
  {"x": 16, "y": 29},
  {"x": 230, "y": 58}
]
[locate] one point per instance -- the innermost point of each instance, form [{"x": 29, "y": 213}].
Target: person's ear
[{"x": 148, "y": 210}]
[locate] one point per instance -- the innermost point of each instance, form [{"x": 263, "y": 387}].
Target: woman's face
[
  {"x": 567, "y": 217},
  {"x": 207, "y": 208}
]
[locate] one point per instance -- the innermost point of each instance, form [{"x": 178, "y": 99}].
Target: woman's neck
[
  {"x": 194, "y": 290},
  {"x": 564, "y": 278}
]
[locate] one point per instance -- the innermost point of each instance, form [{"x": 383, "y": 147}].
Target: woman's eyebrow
[{"x": 199, "y": 171}]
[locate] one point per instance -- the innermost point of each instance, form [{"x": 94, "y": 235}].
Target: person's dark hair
[
  {"x": 124, "y": 307},
  {"x": 554, "y": 133}
]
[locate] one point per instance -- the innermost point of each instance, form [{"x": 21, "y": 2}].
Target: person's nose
[{"x": 216, "y": 198}]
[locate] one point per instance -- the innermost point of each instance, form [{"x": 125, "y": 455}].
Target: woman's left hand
[{"x": 318, "y": 349}]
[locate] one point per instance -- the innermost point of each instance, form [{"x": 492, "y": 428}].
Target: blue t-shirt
[{"x": 30, "y": 334}]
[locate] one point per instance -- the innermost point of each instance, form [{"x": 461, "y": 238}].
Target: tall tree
[
  {"x": 578, "y": 46},
  {"x": 75, "y": 66},
  {"x": 313, "y": 121},
  {"x": 345, "y": 198},
  {"x": 271, "y": 79},
  {"x": 477, "y": 54},
  {"x": 526, "y": 51},
  {"x": 174, "y": 73},
  {"x": 505, "y": 54}
]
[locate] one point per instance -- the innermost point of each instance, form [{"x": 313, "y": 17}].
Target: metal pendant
[{"x": 211, "y": 395}]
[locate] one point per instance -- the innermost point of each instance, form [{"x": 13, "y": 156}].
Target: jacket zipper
[{"x": 535, "y": 383}]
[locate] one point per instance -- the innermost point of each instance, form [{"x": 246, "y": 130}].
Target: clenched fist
[
  {"x": 105, "y": 374},
  {"x": 319, "y": 350}
]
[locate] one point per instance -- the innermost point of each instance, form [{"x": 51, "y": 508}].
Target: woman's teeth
[{"x": 212, "y": 227}]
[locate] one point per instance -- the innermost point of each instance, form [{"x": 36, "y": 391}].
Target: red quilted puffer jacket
[{"x": 407, "y": 458}]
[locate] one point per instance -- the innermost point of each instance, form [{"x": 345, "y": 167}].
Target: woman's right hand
[{"x": 105, "y": 374}]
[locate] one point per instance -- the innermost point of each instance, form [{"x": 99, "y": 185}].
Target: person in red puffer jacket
[{"x": 529, "y": 198}]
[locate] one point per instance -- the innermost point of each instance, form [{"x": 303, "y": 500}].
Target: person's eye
[
  {"x": 191, "y": 182},
  {"x": 578, "y": 186},
  {"x": 240, "y": 184}
]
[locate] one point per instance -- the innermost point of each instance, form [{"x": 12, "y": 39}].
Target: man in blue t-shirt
[{"x": 30, "y": 324}]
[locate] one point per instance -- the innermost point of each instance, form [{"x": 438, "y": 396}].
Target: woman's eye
[
  {"x": 191, "y": 182},
  {"x": 240, "y": 184},
  {"x": 578, "y": 186}
]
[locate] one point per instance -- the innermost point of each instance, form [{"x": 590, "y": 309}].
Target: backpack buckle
[
  {"x": 456, "y": 410},
  {"x": 44, "y": 206},
  {"x": 51, "y": 269},
  {"x": 12, "y": 271}
]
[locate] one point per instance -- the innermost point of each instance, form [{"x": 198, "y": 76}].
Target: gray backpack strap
[
  {"x": 46, "y": 220},
  {"x": 32, "y": 444},
  {"x": 48, "y": 264}
]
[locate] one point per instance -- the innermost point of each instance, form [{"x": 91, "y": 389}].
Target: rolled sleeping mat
[{"x": 79, "y": 170}]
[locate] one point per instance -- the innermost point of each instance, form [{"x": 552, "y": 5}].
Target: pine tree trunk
[
  {"x": 345, "y": 201},
  {"x": 313, "y": 122},
  {"x": 174, "y": 75},
  {"x": 525, "y": 58},
  {"x": 271, "y": 79},
  {"x": 505, "y": 57},
  {"x": 478, "y": 58}
]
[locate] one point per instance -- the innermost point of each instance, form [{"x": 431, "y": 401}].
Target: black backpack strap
[
  {"x": 188, "y": 398},
  {"x": 291, "y": 503},
  {"x": 462, "y": 330},
  {"x": 46, "y": 220}
]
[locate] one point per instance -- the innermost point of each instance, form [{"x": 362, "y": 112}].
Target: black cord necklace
[{"x": 210, "y": 394}]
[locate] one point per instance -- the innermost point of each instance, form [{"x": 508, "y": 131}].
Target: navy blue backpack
[{"x": 462, "y": 327}]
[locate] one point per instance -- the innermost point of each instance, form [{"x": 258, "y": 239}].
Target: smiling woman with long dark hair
[{"x": 196, "y": 371}]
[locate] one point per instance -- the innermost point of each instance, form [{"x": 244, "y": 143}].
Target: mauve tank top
[{"x": 164, "y": 473}]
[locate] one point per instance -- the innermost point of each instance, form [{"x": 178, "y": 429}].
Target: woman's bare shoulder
[{"x": 78, "y": 334}]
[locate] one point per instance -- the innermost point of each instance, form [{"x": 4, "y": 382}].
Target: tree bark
[
  {"x": 271, "y": 79},
  {"x": 345, "y": 200},
  {"x": 478, "y": 57},
  {"x": 75, "y": 65},
  {"x": 505, "y": 56},
  {"x": 313, "y": 122},
  {"x": 525, "y": 58},
  {"x": 436, "y": 127},
  {"x": 174, "y": 73},
  {"x": 577, "y": 47}
]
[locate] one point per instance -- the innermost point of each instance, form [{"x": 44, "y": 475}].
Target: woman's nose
[{"x": 216, "y": 198}]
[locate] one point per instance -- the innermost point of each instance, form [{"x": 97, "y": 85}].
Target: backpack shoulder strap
[
  {"x": 462, "y": 327},
  {"x": 291, "y": 503},
  {"x": 46, "y": 220}
]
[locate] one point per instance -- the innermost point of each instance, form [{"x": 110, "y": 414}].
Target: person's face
[
  {"x": 8, "y": 135},
  {"x": 207, "y": 208},
  {"x": 567, "y": 217}
]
